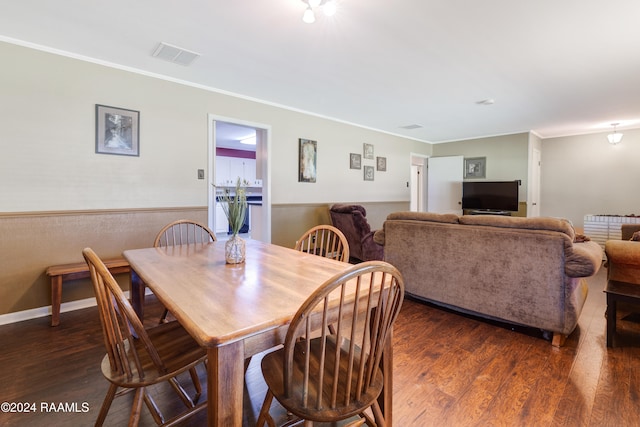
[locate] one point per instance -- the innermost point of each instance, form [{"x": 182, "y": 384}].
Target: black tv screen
[{"x": 490, "y": 195}]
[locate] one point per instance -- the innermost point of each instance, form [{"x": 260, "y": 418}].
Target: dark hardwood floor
[{"x": 450, "y": 370}]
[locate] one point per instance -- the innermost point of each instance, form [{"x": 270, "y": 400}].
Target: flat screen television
[{"x": 490, "y": 195}]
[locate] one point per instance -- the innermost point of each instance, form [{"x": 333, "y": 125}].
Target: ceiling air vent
[
  {"x": 411, "y": 127},
  {"x": 175, "y": 54}
]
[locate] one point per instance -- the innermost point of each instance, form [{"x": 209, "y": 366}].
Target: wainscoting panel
[{"x": 35, "y": 240}]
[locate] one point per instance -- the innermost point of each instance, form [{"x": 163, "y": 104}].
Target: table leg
[
  {"x": 137, "y": 294},
  {"x": 611, "y": 319},
  {"x": 225, "y": 384},
  {"x": 56, "y": 299}
]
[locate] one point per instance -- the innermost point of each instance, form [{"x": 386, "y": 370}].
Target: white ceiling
[{"x": 555, "y": 67}]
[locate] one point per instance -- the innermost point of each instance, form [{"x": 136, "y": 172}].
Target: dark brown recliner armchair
[{"x": 352, "y": 221}]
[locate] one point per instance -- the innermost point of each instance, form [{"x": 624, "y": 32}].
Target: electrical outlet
[{"x": 200, "y": 173}]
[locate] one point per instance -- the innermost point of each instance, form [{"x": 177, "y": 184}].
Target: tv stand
[{"x": 489, "y": 212}]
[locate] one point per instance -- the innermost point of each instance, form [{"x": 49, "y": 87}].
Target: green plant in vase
[{"x": 234, "y": 205}]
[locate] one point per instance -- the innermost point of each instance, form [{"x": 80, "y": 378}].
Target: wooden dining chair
[
  {"x": 329, "y": 377},
  {"x": 182, "y": 232},
  {"x": 137, "y": 358},
  {"x": 324, "y": 240}
]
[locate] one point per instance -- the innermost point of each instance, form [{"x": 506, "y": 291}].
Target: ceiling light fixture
[
  {"x": 250, "y": 140},
  {"x": 615, "y": 137},
  {"x": 328, "y": 7}
]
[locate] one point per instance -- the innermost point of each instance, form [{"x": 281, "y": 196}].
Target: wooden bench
[{"x": 79, "y": 270}]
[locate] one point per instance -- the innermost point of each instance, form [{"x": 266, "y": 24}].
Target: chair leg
[
  {"x": 265, "y": 416},
  {"x": 153, "y": 408},
  {"x": 356, "y": 423},
  {"x": 378, "y": 415},
  {"x": 196, "y": 384},
  {"x": 180, "y": 391},
  {"x": 163, "y": 318},
  {"x": 136, "y": 408},
  {"x": 106, "y": 404}
]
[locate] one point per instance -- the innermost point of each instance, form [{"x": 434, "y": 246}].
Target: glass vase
[{"x": 234, "y": 250}]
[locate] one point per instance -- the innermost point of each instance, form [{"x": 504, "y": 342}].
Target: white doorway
[
  {"x": 261, "y": 221},
  {"x": 418, "y": 184}
]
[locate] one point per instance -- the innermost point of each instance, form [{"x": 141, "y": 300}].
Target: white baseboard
[{"x": 35, "y": 313}]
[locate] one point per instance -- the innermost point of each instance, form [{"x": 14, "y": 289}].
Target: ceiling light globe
[
  {"x": 329, "y": 8},
  {"x": 309, "y": 17},
  {"x": 614, "y": 138},
  {"x": 314, "y": 3}
]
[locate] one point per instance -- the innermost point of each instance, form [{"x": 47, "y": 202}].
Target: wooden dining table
[{"x": 234, "y": 311}]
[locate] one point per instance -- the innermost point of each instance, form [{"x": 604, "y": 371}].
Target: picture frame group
[{"x": 355, "y": 162}]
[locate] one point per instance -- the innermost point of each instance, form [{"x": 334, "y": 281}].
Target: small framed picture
[
  {"x": 117, "y": 131},
  {"x": 308, "y": 152},
  {"x": 368, "y": 173},
  {"x": 367, "y": 151},
  {"x": 381, "y": 164},
  {"x": 355, "y": 161},
  {"x": 475, "y": 167}
]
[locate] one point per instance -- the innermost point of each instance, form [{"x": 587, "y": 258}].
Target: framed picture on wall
[
  {"x": 117, "y": 131},
  {"x": 368, "y": 173},
  {"x": 355, "y": 161},
  {"x": 475, "y": 167},
  {"x": 367, "y": 151},
  {"x": 308, "y": 152},
  {"x": 381, "y": 164}
]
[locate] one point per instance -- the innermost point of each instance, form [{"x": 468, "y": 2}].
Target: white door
[
  {"x": 534, "y": 210},
  {"x": 444, "y": 184}
]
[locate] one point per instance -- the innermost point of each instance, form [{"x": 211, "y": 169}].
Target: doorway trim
[
  {"x": 421, "y": 161},
  {"x": 263, "y": 155}
]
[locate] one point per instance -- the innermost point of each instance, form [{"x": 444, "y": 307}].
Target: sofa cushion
[
  {"x": 539, "y": 223},
  {"x": 424, "y": 216},
  {"x": 635, "y": 237}
]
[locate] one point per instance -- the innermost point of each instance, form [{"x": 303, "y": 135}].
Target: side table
[{"x": 618, "y": 291}]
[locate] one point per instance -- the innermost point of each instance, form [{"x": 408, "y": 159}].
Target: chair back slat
[
  {"x": 324, "y": 240},
  {"x": 183, "y": 232},
  {"x": 120, "y": 324},
  {"x": 337, "y": 367}
]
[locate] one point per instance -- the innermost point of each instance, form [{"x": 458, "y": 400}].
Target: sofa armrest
[
  {"x": 378, "y": 237},
  {"x": 584, "y": 260},
  {"x": 370, "y": 249},
  {"x": 623, "y": 258},
  {"x": 623, "y": 252}
]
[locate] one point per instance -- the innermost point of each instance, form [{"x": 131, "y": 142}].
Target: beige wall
[
  {"x": 507, "y": 156},
  {"x": 586, "y": 175},
  {"x": 48, "y": 137},
  {"x": 49, "y": 165}
]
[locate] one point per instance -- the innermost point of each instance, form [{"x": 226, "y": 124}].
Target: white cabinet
[
  {"x": 243, "y": 168},
  {"x": 228, "y": 169},
  {"x": 222, "y": 170},
  {"x": 222, "y": 224}
]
